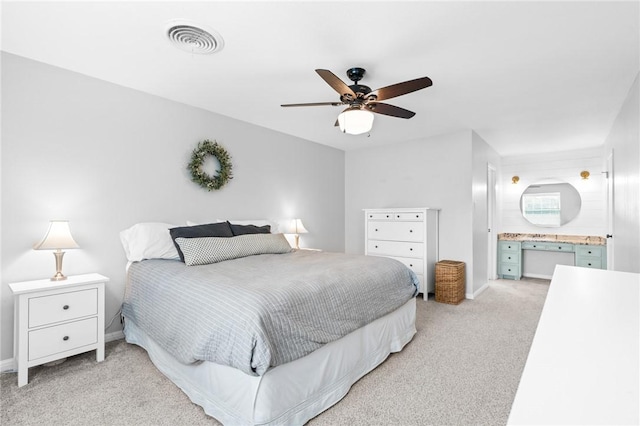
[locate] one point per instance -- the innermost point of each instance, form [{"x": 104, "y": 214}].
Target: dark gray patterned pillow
[{"x": 206, "y": 250}]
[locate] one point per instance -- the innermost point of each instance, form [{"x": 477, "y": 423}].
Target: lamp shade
[
  {"x": 295, "y": 227},
  {"x": 355, "y": 121},
  {"x": 58, "y": 236}
]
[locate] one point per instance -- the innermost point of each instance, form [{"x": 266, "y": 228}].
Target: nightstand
[{"x": 57, "y": 319}]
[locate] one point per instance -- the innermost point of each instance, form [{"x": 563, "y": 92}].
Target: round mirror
[{"x": 550, "y": 204}]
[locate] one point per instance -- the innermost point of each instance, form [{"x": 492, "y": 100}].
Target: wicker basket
[{"x": 450, "y": 279}]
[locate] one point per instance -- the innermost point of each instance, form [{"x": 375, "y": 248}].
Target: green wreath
[{"x": 205, "y": 148}]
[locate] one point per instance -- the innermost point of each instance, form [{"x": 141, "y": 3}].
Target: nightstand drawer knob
[
  {"x": 65, "y": 338},
  {"x": 410, "y": 230},
  {"x": 65, "y": 307}
]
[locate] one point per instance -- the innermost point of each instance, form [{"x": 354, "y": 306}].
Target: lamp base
[{"x": 59, "y": 276}]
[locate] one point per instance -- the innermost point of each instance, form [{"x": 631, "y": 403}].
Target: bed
[{"x": 273, "y": 337}]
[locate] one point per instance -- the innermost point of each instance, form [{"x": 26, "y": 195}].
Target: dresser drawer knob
[
  {"x": 410, "y": 230},
  {"x": 509, "y": 257},
  {"x": 410, "y": 249},
  {"x": 65, "y": 307},
  {"x": 411, "y": 265},
  {"x": 589, "y": 252},
  {"x": 376, "y": 230},
  {"x": 387, "y": 215},
  {"x": 589, "y": 264},
  {"x": 376, "y": 246},
  {"x": 65, "y": 338},
  {"x": 559, "y": 248}
]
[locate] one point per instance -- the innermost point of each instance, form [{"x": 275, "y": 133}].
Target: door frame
[{"x": 492, "y": 249}]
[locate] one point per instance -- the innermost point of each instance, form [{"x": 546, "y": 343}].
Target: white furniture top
[
  {"x": 583, "y": 366},
  {"x": 47, "y": 284}
]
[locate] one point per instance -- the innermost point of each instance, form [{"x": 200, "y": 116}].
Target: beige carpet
[{"x": 463, "y": 367}]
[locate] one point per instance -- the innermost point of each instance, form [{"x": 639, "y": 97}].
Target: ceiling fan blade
[
  {"x": 401, "y": 88},
  {"x": 337, "y": 84},
  {"x": 390, "y": 110},
  {"x": 314, "y": 104}
]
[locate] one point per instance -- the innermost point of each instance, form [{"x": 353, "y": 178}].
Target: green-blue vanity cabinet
[
  {"x": 510, "y": 255},
  {"x": 509, "y": 265}
]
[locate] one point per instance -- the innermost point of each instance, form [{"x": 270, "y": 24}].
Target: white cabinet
[
  {"x": 57, "y": 319},
  {"x": 409, "y": 235}
]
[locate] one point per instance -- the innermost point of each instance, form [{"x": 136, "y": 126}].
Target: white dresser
[{"x": 409, "y": 235}]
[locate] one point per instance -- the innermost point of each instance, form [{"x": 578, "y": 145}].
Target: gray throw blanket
[{"x": 261, "y": 311}]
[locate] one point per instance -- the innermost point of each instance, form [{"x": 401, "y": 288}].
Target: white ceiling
[{"x": 528, "y": 77}]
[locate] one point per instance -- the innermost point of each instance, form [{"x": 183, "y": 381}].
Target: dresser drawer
[
  {"x": 380, "y": 216},
  {"x": 510, "y": 257},
  {"x": 509, "y": 246},
  {"x": 409, "y": 216},
  {"x": 64, "y": 337},
  {"x": 416, "y": 265},
  {"x": 396, "y": 231},
  {"x": 560, "y": 247},
  {"x": 589, "y": 262},
  {"x": 514, "y": 270},
  {"x": 590, "y": 251},
  {"x": 395, "y": 248},
  {"x": 534, "y": 245},
  {"x": 62, "y": 307}
]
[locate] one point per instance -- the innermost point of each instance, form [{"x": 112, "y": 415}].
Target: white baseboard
[
  {"x": 116, "y": 335},
  {"x": 541, "y": 276},
  {"x": 8, "y": 365},
  {"x": 477, "y": 292}
]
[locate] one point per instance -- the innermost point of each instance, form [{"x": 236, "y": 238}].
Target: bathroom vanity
[{"x": 585, "y": 251}]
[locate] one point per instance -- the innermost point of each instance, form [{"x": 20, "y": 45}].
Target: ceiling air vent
[{"x": 193, "y": 38}]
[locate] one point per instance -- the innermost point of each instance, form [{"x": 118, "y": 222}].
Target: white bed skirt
[{"x": 290, "y": 394}]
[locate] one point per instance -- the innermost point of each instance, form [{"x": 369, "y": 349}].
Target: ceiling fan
[{"x": 362, "y": 101}]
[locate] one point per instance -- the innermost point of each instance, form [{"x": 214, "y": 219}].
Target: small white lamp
[
  {"x": 296, "y": 227},
  {"x": 355, "y": 121},
  {"x": 58, "y": 237}
]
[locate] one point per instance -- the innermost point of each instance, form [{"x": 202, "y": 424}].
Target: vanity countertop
[{"x": 554, "y": 238}]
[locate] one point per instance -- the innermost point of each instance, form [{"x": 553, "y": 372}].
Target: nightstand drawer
[
  {"x": 396, "y": 231},
  {"x": 395, "y": 248},
  {"x": 62, "y": 307},
  {"x": 61, "y": 338}
]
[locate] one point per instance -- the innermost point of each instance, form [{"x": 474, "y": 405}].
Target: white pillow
[{"x": 150, "y": 240}]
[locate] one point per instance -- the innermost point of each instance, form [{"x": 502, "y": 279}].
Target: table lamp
[
  {"x": 296, "y": 227},
  {"x": 58, "y": 237}
]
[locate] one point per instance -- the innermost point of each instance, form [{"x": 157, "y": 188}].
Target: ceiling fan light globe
[{"x": 355, "y": 121}]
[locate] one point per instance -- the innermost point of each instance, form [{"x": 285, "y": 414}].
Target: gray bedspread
[{"x": 261, "y": 311}]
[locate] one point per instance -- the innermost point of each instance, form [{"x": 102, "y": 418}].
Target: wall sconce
[
  {"x": 296, "y": 227},
  {"x": 58, "y": 237},
  {"x": 515, "y": 179},
  {"x": 584, "y": 174}
]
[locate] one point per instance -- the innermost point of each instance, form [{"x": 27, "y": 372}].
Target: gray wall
[
  {"x": 624, "y": 140},
  {"x": 434, "y": 172},
  {"x": 105, "y": 157}
]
